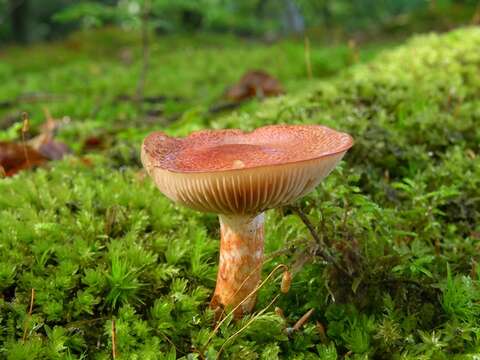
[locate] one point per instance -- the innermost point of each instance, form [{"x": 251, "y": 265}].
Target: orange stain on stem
[{"x": 241, "y": 258}]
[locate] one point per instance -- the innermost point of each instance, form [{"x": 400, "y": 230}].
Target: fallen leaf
[
  {"x": 45, "y": 144},
  {"x": 254, "y": 83},
  {"x": 15, "y": 157}
]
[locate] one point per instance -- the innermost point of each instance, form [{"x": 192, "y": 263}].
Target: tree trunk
[
  {"x": 19, "y": 10},
  {"x": 294, "y": 21}
]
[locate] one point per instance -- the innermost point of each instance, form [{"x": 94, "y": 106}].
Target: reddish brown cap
[{"x": 235, "y": 172}]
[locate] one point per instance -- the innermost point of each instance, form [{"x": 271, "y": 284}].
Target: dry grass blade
[
  {"x": 114, "y": 342},
  {"x": 246, "y": 325},
  {"x": 30, "y": 310},
  {"x": 25, "y": 128},
  {"x": 145, "y": 50},
  {"x": 214, "y": 331},
  {"x": 308, "y": 61}
]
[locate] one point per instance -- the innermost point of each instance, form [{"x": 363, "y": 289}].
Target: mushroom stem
[{"x": 241, "y": 258}]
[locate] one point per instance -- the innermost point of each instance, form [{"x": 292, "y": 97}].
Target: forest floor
[{"x": 90, "y": 248}]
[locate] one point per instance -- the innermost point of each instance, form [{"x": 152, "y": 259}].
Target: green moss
[{"x": 99, "y": 243}]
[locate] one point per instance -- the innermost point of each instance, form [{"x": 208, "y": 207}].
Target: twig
[
  {"x": 145, "y": 51},
  {"x": 352, "y": 45},
  {"x": 324, "y": 253},
  {"x": 32, "y": 299},
  {"x": 308, "y": 61},
  {"x": 30, "y": 310},
  {"x": 303, "y": 320},
  {"x": 285, "y": 251},
  {"x": 321, "y": 332},
  {"x": 25, "y": 128},
  {"x": 247, "y": 325},
  {"x": 345, "y": 215},
  {"x": 114, "y": 344},
  {"x": 278, "y": 253}
]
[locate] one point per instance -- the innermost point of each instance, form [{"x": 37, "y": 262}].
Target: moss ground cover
[
  {"x": 401, "y": 215},
  {"x": 88, "y": 76}
]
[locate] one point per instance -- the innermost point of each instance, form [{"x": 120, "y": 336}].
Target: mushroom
[{"x": 239, "y": 175}]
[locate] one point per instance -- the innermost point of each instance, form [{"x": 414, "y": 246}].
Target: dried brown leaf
[
  {"x": 254, "y": 83},
  {"x": 16, "y": 157}
]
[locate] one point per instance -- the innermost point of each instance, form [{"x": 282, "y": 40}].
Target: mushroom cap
[{"x": 236, "y": 172}]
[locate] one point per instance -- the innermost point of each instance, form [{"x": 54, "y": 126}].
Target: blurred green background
[{"x": 27, "y": 21}]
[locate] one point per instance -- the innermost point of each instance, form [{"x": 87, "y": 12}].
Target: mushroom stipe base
[{"x": 240, "y": 267}]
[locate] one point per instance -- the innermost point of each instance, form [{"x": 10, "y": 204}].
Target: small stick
[
  {"x": 321, "y": 332},
  {"x": 50, "y": 125},
  {"x": 308, "y": 62},
  {"x": 303, "y": 320},
  {"x": 352, "y": 44},
  {"x": 25, "y": 128},
  {"x": 324, "y": 253},
  {"x": 32, "y": 299},
  {"x": 285, "y": 251},
  {"x": 145, "y": 51},
  {"x": 114, "y": 345},
  {"x": 345, "y": 215},
  {"x": 30, "y": 310}
]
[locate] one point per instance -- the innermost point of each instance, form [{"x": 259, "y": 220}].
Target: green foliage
[
  {"x": 98, "y": 243},
  {"x": 89, "y": 13},
  {"x": 328, "y": 19},
  {"x": 460, "y": 298}
]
